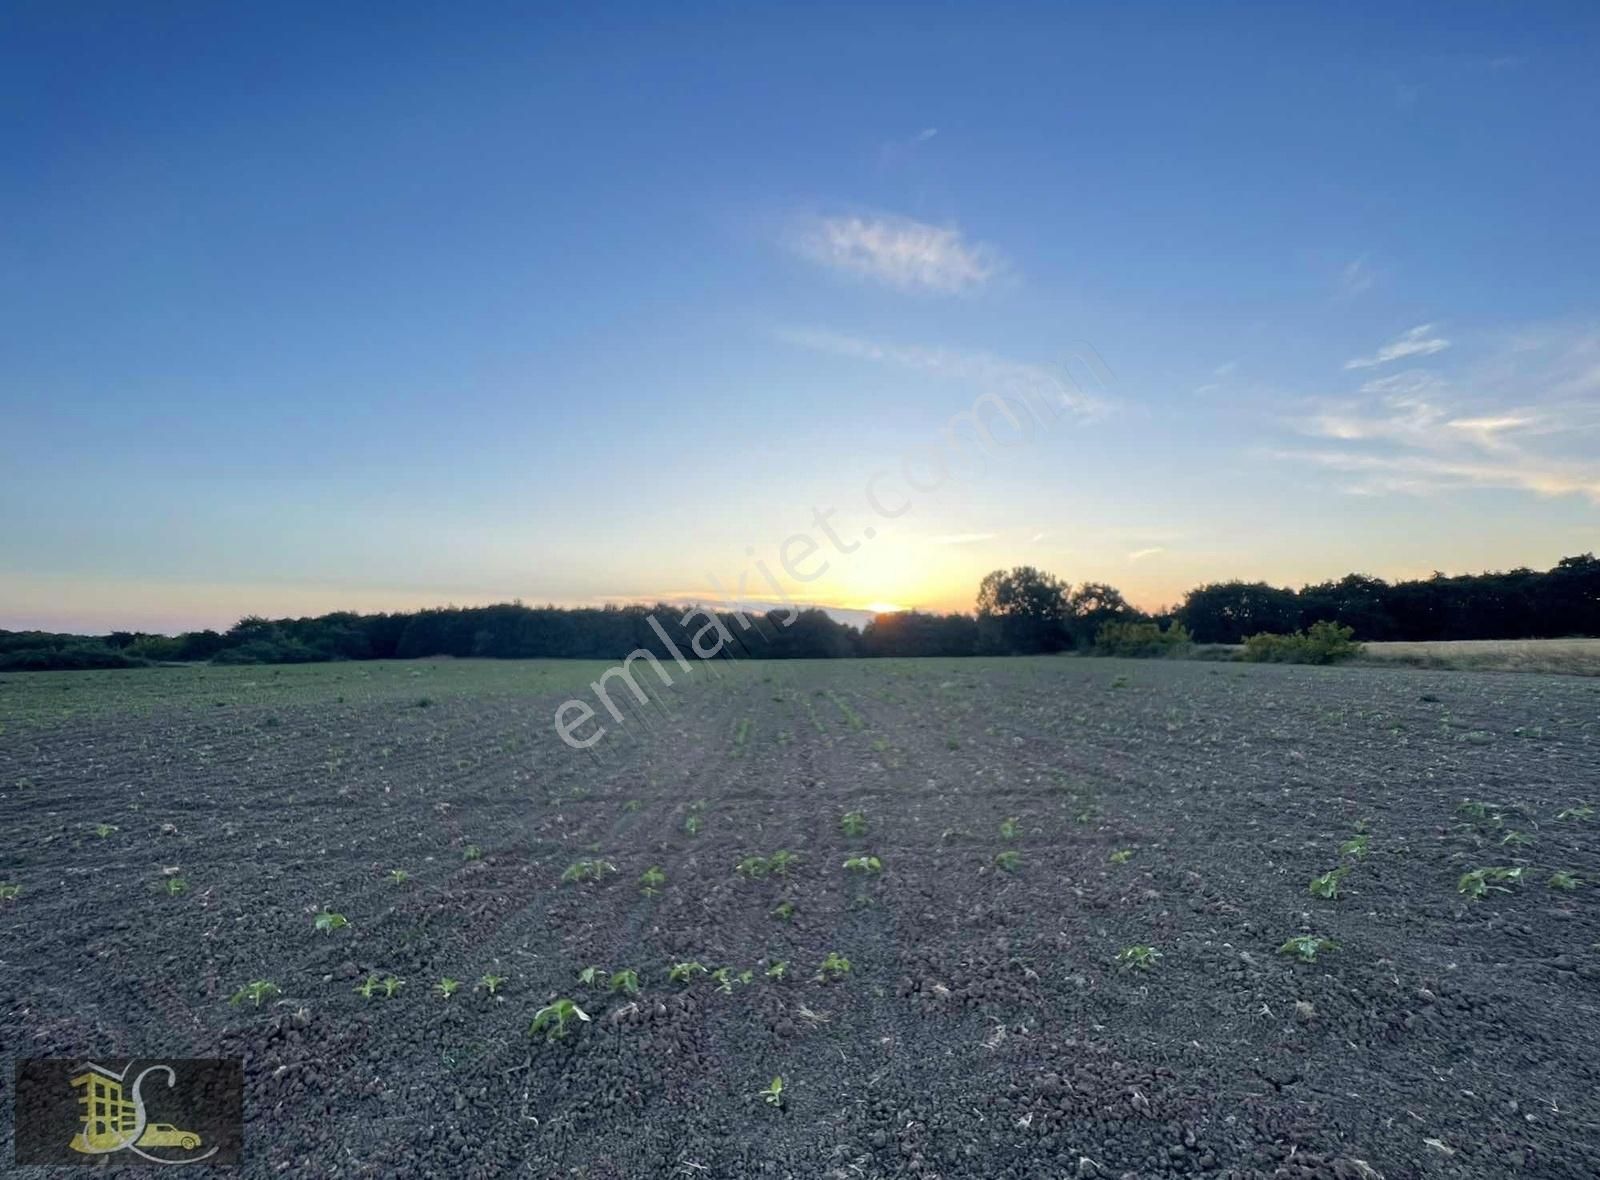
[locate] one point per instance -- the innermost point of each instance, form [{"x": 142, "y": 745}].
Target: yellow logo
[{"x": 112, "y": 1122}]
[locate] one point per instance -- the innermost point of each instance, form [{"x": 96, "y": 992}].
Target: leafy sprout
[
  {"x": 1517, "y": 838},
  {"x": 587, "y": 870},
  {"x": 784, "y": 911},
  {"x": 854, "y": 823},
  {"x": 255, "y": 991},
  {"x": 174, "y": 886},
  {"x": 328, "y": 921},
  {"x": 1305, "y": 948},
  {"x": 447, "y": 987},
  {"x": 1137, "y": 958},
  {"x": 104, "y": 830},
  {"x": 1356, "y": 846},
  {"x": 626, "y": 981},
  {"x": 589, "y": 976},
  {"x": 1009, "y": 828},
  {"x": 864, "y": 864},
  {"x": 1479, "y": 883},
  {"x": 1562, "y": 879},
  {"x": 693, "y": 824},
  {"x": 773, "y": 1094},
  {"x": 651, "y": 881},
  {"x": 684, "y": 972},
  {"x": 490, "y": 982},
  {"x": 1327, "y": 885},
  {"x": 10, "y": 892},
  {"x": 552, "y": 1019},
  {"x": 1122, "y": 856},
  {"x": 1581, "y": 812},
  {"x": 778, "y": 969},
  {"x": 780, "y": 861},
  {"x": 1008, "y": 861},
  {"x": 835, "y": 966},
  {"x": 753, "y": 867},
  {"x": 399, "y": 876},
  {"x": 472, "y": 852}
]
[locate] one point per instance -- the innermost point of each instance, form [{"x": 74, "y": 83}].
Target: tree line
[{"x": 1018, "y": 611}]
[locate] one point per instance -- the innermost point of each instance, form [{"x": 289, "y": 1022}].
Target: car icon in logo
[{"x": 166, "y": 1135}]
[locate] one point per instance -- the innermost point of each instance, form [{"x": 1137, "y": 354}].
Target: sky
[{"x": 315, "y": 307}]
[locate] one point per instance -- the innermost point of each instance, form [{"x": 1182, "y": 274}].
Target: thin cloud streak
[
  {"x": 897, "y": 252},
  {"x": 1416, "y": 342}
]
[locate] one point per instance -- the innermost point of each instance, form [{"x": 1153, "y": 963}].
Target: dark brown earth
[{"x": 985, "y": 1028}]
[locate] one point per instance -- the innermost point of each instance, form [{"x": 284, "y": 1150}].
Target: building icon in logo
[{"x": 112, "y": 1122}]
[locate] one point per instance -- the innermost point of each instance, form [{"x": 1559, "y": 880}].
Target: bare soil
[{"x": 985, "y": 1027}]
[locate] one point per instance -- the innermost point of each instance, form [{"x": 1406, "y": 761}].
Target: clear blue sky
[{"x": 373, "y": 306}]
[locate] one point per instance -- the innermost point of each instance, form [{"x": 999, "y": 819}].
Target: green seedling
[
  {"x": 854, "y": 823},
  {"x": 587, "y": 870},
  {"x": 693, "y": 824},
  {"x": 864, "y": 864},
  {"x": 366, "y": 987},
  {"x": 752, "y": 867},
  {"x": 104, "y": 830},
  {"x": 1562, "y": 879},
  {"x": 835, "y": 966},
  {"x": 553, "y": 1017},
  {"x": 472, "y": 852},
  {"x": 631, "y": 806},
  {"x": 1581, "y": 812},
  {"x": 589, "y": 976},
  {"x": 778, "y": 969},
  {"x": 1356, "y": 846},
  {"x": 1517, "y": 838},
  {"x": 1480, "y": 882},
  {"x": 724, "y": 978},
  {"x": 391, "y": 986},
  {"x": 685, "y": 972},
  {"x": 625, "y": 981},
  {"x": 1474, "y": 809},
  {"x": 1327, "y": 885},
  {"x": 399, "y": 876},
  {"x": 773, "y": 1094},
  {"x": 651, "y": 881},
  {"x": 447, "y": 987},
  {"x": 784, "y": 911},
  {"x": 9, "y": 892},
  {"x": 174, "y": 886},
  {"x": 1009, "y": 828},
  {"x": 255, "y": 991},
  {"x": 328, "y": 921},
  {"x": 780, "y": 861},
  {"x": 1306, "y": 947},
  {"x": 746, "y": 976},
  {"x": 1008, "y": 861},
  {"x": 1122, "y": 856},
  {"x": 491, "y": 983},
  {"x": 1137, "y": 958}
]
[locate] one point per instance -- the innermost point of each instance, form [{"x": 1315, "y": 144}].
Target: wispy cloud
[
  {"x": 1419, "y": 341},
  {"x": 1037, "y": 537},
  {"x": 984, "y": 370},
  {"x": 1356, "y": 276},
  {"x": 898, "y": 252},
  {"x": 1141, "y": 554},
  {"x": 1526, "y": 418},
  {"x": 961, "y": 539}
]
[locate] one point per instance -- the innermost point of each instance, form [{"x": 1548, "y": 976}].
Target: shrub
[
  {"x": 1324, "y": 643},
  {"x": 1142, "y": 640}
]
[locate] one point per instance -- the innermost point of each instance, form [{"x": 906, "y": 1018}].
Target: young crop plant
[
  {"x": 854, "y": 823},
  {"x": 864, "y": 864},
  {"x": 1356, "y": 846},
  {"x": 255, "y": 991},
  {"x": 784, "y": 911},
  {"x": 104, "y": 830},
  {"x": 552, "y": 1019},
  {"x": 780, "y": 861},
  {"x": 491, "y": 983},
  {"x": 328, "y": 921},
  {"x": 174, "y": 886},
  {"x": 392, "y": 986},
  {"x": 1479, "y": 883},
  {"x": 1009, "y": 828},
  {"x": 447, "y": 987},
  {"x": 724, "y": 978},
  {"x": 651, "y": 881},
  {"x": 399, "y": 876},
  {"x": 1565, "y": 880},
  {"x": 1475, "y": 808},
  {"x": 1137, "y": 958},
  {"x": 589, "y": 976},
  {"x": 1008, "y": 861},
  {"x": 778, "y": 969},
  {"x": 587, "y": 870},
  {"x": 1305, "y": 948},
  {"x": 753, "y": 867},
  {"x": 685, "y": 972},
  {"x": 1327, "y": 885},
  {"x": 693, "y": 824},
  {"x": 1122, "y": 856},
  {"x": 835, "y": 966},
  {"x": 9, "y": 892},
  {"x": 773, "y": 1094},
  {"x": 1581, "y": 812},
  {"x": 472, "y": 852},
  {"x": 625, "y": 981},
  {"x": 1517, "y": 838}
]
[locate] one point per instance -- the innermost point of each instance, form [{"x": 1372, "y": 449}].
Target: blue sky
[{"x": 316, "y": 307}]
